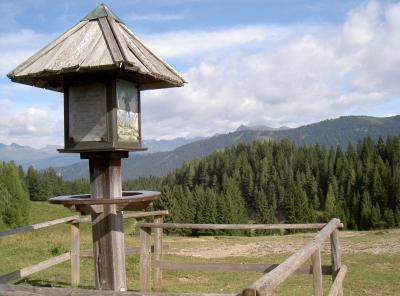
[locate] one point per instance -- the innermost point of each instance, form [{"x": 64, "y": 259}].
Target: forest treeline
[{"x": 265, "y": 182}]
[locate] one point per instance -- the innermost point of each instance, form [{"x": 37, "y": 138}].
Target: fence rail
[
  {"x": 275, "y": 274},
  {"x": 74, "y": 254},
  {"x": 152, "y": 264}
]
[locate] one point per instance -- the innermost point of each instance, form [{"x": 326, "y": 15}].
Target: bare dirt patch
[{"x": 351, "y": 242}]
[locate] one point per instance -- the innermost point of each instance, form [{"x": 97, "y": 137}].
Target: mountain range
[
  {"x": 340, "y": 131},
  {"x": 163, "y": 156}
]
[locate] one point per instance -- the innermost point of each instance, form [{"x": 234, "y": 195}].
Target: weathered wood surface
[
  {"x": 317, "y": 273},
  {"x": 337, "y": 286},
  {"x": 38, "y": 226},
  {"x": 145, "y": 214},
  {"x": 145, "y": 259},
  {"x": 75, "y": 249},
  {"x": 335, "y": 253},
  {"x": 267, "y": 284},
  {"x": 107, "y": 227},
  {"x": 136, "y": 215},
  {"x": 128, "y": 250},
  {"x": 26, "y": 271},
  {"x": 326, "y": 269},
  {"x": 111, "y": 42},
  {"x": 158, "y": 251},
  {"x": 235, "y": 226},
  {"x": 99, "y": 44},
  {"x": 11, "y": 290}
]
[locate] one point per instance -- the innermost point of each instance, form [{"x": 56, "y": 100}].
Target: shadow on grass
[{"x": 52, "y": 284}]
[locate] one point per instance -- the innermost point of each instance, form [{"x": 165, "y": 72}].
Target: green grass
[{"x": 373, "y": 258}]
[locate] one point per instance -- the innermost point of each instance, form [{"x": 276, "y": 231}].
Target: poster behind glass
[
  {"x": 87, "y": 112},
  {"x": 128, "y": 112}
]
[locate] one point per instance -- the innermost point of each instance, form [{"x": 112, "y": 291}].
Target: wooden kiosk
[{"x": 101, "y": 67}]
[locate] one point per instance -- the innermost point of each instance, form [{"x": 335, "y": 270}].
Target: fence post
[
  {"x": 335, "y": 255},
  {"x": 145, "y": 259},
  {"x": 158, "y": 233},
  {"x": 75, "y": 265},
  {"x": 317, "y": 272}
]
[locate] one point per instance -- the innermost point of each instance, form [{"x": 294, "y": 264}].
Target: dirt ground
[{"x": 383, "y": 242}]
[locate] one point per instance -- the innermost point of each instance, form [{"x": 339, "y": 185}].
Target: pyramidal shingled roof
[{"x": 100, "y": 41}]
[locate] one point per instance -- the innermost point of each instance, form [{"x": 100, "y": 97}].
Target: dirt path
[{"x": 382, "y": 242}]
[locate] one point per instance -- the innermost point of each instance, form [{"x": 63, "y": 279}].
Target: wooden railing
[
  {"x": 275, "y": 274},
  {"x": 74, "y": 254},
  {"x": 152, "y": 263}
]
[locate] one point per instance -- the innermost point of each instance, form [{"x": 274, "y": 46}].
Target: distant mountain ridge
[
  {"x": 48, "y": 156},
  {"x": 332, "y": 132},
  {"x": 243, "y": 127}
]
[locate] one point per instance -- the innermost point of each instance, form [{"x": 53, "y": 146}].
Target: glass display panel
[
  {"x": 87, "y": 112},
  {"x": 128, "y": 112}
]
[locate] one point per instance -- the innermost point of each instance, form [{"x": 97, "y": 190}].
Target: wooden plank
[
  {"x": 118, "y": 38},
  {"x": 267, "y": 284},
  {"x": 145, "y": 259},
  {"x": 136, "y": 250},
  {"x": 75, "y": 246},
  {"x": 326, "y": 269},
  {"x": 335, "y": 253},
  {"x": 158, "y": 236},
  {"x": 111, "y": 42},
  {"x": 235, "y": 226},
  {"x": 38, "y": 226},
  {"x": 24, "y": 272},
  {"x": 11, "y": 290},
  {"x": 107, "y": 227},
  {"x": 317, "y": 273},
  {"x": 145, "y": 214},
  {"x": 337, "y": 286}
]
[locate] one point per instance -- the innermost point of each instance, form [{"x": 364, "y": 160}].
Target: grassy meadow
[{"x": 373, "y": 258}]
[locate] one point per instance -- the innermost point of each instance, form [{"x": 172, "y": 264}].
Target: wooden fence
[
  {"x": 275, "y": 274},
  {"x": 74, "y": 254},
  {"x": 152, "y": 263}
]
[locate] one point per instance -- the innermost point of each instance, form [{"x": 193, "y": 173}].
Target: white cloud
[
  {"x": 191, "y": 43},
  {"x": 276, "y": 75},
  {"x": 17, "y": 46},
  {"x": 32, "y": 126},
  {"x": 304, "y": 77}
]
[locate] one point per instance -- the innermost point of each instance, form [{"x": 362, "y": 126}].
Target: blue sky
[{"x": 247, "y": 62}]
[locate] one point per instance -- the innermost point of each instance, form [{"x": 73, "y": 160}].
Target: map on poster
[
  {"x": 128, "y": 111},
  {"x": 87, "y": 112}
]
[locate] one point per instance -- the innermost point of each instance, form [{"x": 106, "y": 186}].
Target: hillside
[{"x": 340, "y": 131}]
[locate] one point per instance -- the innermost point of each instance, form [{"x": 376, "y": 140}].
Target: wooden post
[
  {"x": 317, "y": 272},
  {"x": 158, "y": 233},
  {"x": 107, "y": 227},
  {"x": 145, "y": 259},
  {"x": 75, "y": 265},
  {"x": 335, "y": 255}
]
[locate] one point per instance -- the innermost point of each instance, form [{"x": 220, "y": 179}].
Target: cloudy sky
[{"x": 289, "y": 62}]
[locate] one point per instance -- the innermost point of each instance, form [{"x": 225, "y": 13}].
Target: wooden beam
[
  {"x": 112, "y": 45},
  {"x": 24, "y": 272},
  {"x": 75, "y": 246},
  {"x": 267, "y": 284},
  {"x": 158, "y": 251},
  {"x": 235, "y": 226},
  {"x": 11, "y": 290},
  {"x": 326, "y": 269},
  {"x": 335, "y": 253},
  {"x": 107, "y": 227},
  {"x": 337, "y": 286},
  {"x": 136, "y": 215},
  {"x": 38, "y": 226},
  {"x": 145, "y": 214},
  {"x": 145, "y": 259},
  {"x": 317, "y": 273}
]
